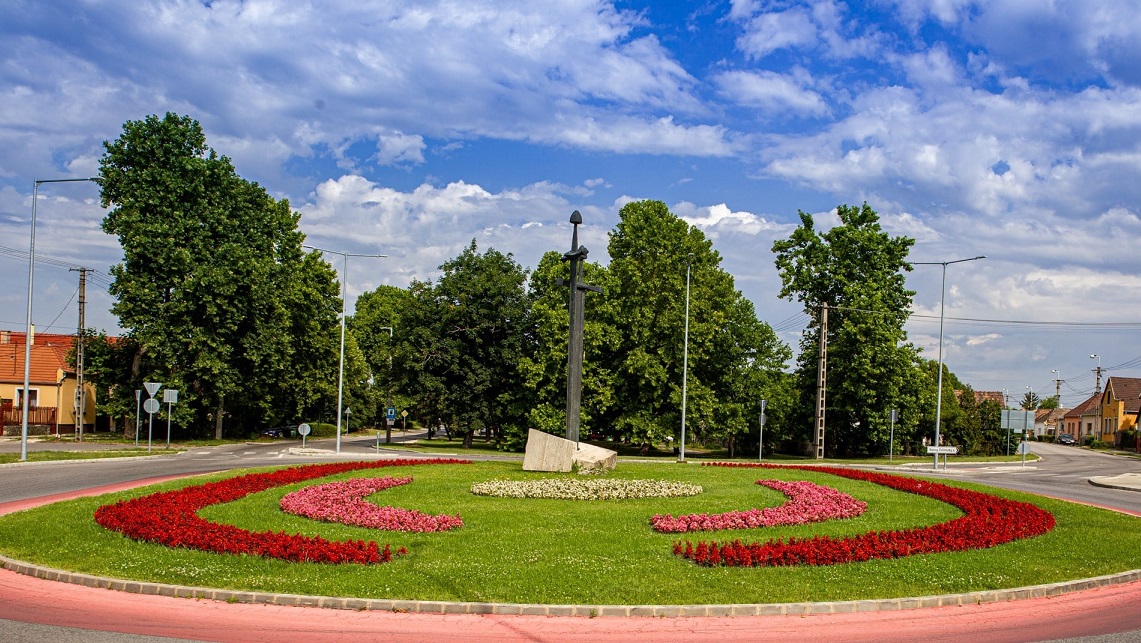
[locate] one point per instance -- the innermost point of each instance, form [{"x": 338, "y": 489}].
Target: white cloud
[{"x": 770, "y": 91}]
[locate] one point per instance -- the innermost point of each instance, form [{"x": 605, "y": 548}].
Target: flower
[
  {"x": 988, "y": 521},
  {"x": 171, "y": 517},
  {"x": 588, "y": 489},
  {"x": 807, "y": 503},
  {"x": 344, "y": 502}
]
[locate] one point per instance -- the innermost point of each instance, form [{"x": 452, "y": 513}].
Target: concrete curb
[
  {"x": 1098, "y": 482},
  {"x": 519, "y": 609}
]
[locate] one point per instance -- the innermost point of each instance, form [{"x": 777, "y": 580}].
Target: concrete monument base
[{"x": 546, "y": 452}]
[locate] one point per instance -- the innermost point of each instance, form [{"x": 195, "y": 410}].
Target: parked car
[
  {"x": 1066, "y": 438},
  {"x": 287, "y": 431}
]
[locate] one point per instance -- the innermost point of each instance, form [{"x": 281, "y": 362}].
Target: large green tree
[
  {"x": 214, "y": 283},
  {"x": 856, "y": 269},
  {"x": 461, "y": 343},
  {"x": 732, "y": 357}
]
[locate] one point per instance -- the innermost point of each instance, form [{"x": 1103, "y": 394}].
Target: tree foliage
[
  {"x": 462, "y": 340},
  {"x": 856, "y": 269},
  {"x": 214, "y": 285}
]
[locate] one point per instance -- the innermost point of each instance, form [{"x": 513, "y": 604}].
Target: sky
[{"x": 1009, "y": 129}]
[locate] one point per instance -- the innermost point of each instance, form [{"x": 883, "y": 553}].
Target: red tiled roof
[
  {"x": 46, "y": 363},
  {"x": 1127, "y": 389},
  {"x": 1084, "y": 407},
  {"x": 49, "y": 355}
]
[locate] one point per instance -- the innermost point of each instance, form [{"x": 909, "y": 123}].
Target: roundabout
[{"x": 673, "y": 617}]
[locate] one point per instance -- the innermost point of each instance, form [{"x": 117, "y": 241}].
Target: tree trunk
[
  {"x": 731, "y": 445},
  {"x": 467, "y": 438},
  {"x": 218, "y": 418}
]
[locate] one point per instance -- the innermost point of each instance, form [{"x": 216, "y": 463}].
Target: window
[{"x": 33, "y": 398}]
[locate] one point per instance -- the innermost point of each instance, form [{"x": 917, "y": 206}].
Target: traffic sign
[
  {"x": 1024, "y": 447},
  {"x": 152, "y": 387},
  {"x": 151, "y": 406},
  {"x": 303, "y": 429},
  {"x": 392, "y": 412},
  {"x": 170, "y": 396},
  {"x": 404, "y": 414},
  {"x": 942, "y": 450}
]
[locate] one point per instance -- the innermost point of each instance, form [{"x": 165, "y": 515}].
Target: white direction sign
[
  {"x": 942, "y": 450},
  {"x": 152, "y": 387},
  {"x": 170, "y": 396}
]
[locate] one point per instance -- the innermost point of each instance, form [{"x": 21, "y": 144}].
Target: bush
[{"x": 1094, "y": 443}]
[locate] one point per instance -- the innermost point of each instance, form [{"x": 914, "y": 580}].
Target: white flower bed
[{"x": 585, "y": 489}]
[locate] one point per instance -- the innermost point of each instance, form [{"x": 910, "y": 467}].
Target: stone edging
[{"x": 519, "y": 609}]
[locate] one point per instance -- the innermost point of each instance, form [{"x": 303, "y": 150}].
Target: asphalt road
[{"x": 97, "y": 615}]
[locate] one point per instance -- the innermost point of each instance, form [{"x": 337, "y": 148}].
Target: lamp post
[
  {"x": 939, "y": 385},
  {"x": 685, "y": 358},
  {"x": 28, "y": 327},
  {"x": 344, "y": 296},
  {"x": 388, "y": 388},
  {"x": 1097, "y": 391}
]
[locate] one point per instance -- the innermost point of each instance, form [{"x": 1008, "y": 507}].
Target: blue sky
[{"x": 1010, "y": 129}]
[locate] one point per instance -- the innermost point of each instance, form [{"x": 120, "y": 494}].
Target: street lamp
[
  {"x": 1097, "y": 391},
  {"x": 939, "y": 385},
  {"x": 388, "y": 387},
  {"x": 28, "y": 328},
  {"x": 685, "y": 358},
  {"x": 344, "y": 296}
]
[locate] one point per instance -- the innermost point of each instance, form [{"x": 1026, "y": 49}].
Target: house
[
  {"x": 52, "y": 385},
  {"x": 1119, "y": 406},
  {"x": 1047, "y": 421},
  {"x": 1081, "y": 420}
]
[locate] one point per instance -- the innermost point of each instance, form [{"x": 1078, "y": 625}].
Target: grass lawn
[
  {"x": 45, "y": 456},
  {"x": 581, "y": 552}
]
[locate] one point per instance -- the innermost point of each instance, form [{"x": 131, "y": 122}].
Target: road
[
  {"x": 1063, "y": 472},
  {"x": 33, "y": 609}
]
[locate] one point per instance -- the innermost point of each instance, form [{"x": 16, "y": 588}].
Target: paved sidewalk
[{"x": 1125, "y": 481}]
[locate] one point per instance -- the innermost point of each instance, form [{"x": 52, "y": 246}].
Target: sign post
[
  {"x": 138, "y": 413},
  {"x": 891, "y": 441},
  {"x": 761, "y": 439},
  {"x": 303, "y": 429},
  {"x": 944, "y": 451},
  {"x": 404, "y": 422},
  {"x": 170, "y": 396},
  {"x": 151, "y": 406}
]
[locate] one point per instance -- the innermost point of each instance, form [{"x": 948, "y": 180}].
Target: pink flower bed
[
  {"x": 171, "y": 517},
  {"x": 344, "y": 502},
  {"x": 988, "y": 521},
  {"x": 807, "y": 503}
]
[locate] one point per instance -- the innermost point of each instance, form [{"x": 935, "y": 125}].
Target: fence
[{"x": 11, "y": 416}]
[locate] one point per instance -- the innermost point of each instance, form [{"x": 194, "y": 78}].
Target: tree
[
  {"x": 545, "y": 371},
  {"x": 374, "y": 325},
  {"x": 214, "y": 281},
  {"x": 856, "y": 269},
  {"x": 732, "y": 356},
  {"x": 463, "y": 339},
  {"x": 1030, "y": 401}
]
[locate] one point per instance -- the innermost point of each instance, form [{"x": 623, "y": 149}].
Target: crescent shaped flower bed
[
  {"x": 343, "y": 502},
  {"x": 171, "y": 517},
  {"x": 988, "y": 521},
  {"x": 808, "y": 502}
]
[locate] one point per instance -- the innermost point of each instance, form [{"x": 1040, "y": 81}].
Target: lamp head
[{"x": 576, "y": 218}]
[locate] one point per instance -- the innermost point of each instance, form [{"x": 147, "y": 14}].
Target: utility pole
[
  {"x": 821, "y": 381},
  {"x": 80, "y": 393}
]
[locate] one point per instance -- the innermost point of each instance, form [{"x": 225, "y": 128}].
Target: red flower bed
[
  {"x": 344, "y": 502},
  {"x": 171, "y": 518},
  {"x": 989, "y": 521},
  {"x": 807, "y": 503}
]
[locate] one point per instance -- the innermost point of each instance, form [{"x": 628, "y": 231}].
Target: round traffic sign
[
  {"x": 303, "y": 429},
  {"x": 151, "y": 406},
  {"x": 1024, "y": 447}
]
